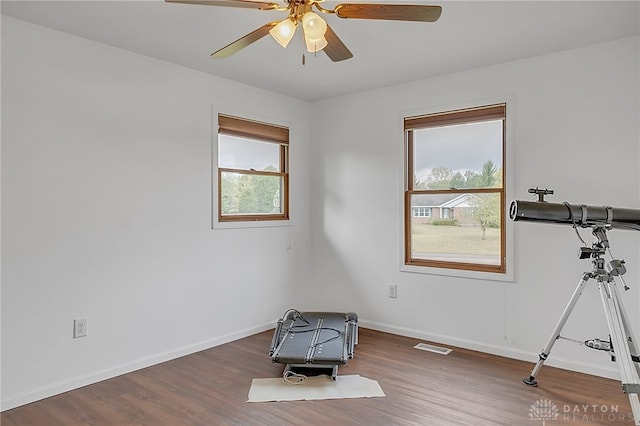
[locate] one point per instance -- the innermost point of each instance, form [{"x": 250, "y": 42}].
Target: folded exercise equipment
[{"x": 322, "y": 340}]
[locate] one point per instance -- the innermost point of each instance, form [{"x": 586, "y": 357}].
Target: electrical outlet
[
  {"x": 393, "y": 291},
  {"x": 79, "y": 327}
]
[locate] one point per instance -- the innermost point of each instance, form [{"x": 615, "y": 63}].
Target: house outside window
[
  {"x": 455, "y": 167},
  {"x": 252, "y": 169}
]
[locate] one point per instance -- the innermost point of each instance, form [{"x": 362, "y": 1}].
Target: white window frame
[{"x": 421, "y": 210}]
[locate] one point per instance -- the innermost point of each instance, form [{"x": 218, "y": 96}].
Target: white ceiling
[{"x": 469, "y": 34}]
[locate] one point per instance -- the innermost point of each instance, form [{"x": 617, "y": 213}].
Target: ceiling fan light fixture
[
  {"x": 316, "y": 33},
  {"x": 283, "y": 32},
  {"x": 314, "y": 26},
  {"x": 315, "y": 45}
]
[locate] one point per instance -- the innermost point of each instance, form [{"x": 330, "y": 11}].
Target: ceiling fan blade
[
  {"x": 230, "y": 3},
  {"x": 335, "y": 48},
  {"x": 393, "y": 12},
  {"x": 245, "y": 41}
]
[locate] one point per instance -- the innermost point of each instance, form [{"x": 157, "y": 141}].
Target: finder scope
[{"x": 574, "y": 214}]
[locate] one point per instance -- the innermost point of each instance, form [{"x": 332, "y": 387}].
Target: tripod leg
[
  {"x": 622, "y": 342},
  {"x": 531, "y": 380},
  {"x": 635, "y": 356}
]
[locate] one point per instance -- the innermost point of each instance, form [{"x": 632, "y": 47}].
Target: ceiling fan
[{"x": 317, "y": 34}]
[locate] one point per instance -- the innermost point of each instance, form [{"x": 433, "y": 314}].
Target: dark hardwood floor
[{"x": 422, "y": 388}]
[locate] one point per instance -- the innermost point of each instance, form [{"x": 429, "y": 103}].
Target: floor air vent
[{"x": 431, "y": 348}]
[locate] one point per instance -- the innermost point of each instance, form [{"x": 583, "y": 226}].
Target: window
[
  {"x": 447, "y": 213},
  {"x": 455, "y": 169},
  {"x": 421, "y": 212},
  {"x": 253, "y": 178}
]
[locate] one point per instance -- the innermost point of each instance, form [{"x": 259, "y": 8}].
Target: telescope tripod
[{"x": 620, "y": 345}]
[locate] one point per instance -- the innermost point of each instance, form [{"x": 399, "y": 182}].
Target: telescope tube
[{"x": 570, "y": 214}]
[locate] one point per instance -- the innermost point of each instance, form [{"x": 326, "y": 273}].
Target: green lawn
[{"x": 455, "y": 240}]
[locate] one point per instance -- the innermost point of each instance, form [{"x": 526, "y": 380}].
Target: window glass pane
[
  {"x": 251, "y": 194},
  {"x": 248, "y": 154},
  {"x": 461, "y": 228},
  {"x": 458, "y": 156}
]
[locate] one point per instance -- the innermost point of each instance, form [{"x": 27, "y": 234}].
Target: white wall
[
  {"x": 106, "y": 214},
  {"x": 574, "y": 128},
  {"x": 106, "y": 209}
]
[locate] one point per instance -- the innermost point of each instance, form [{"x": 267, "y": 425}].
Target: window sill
[
  {"x": 245, "y": 224},
  {"x": 477, "y": 275}
]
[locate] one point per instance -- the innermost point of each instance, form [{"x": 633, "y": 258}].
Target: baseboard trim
[
  {"x": 52, "y": 389},
  {"x": 559, "y": 362},
  {"x": 80, "y": 381}
]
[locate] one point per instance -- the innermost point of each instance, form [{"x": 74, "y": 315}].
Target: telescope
[
  {"x": 621, "y": 343},
  {"x": 573, "y": 214}
]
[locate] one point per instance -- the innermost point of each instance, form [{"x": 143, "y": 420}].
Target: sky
[
  {"x": 242, "y": 153},
  {"x": 459, "y": 148}
]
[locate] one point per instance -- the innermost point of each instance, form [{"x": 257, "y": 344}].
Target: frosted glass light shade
[
  {"x": 313, "y": 25},
  {"x": 315, "y": 45},
  {"x": 283, "y": 32}
]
